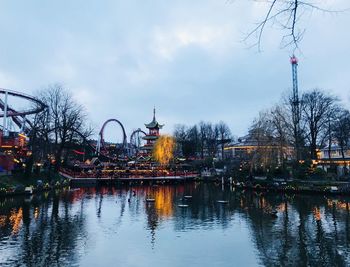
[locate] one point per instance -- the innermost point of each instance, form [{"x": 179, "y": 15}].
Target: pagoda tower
[{"x": 153, "y": 133}]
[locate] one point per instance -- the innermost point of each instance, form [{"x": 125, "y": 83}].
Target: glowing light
[
  {"x": 163, "y": 150},
  {"x": 16, "y": 220},
  {"x": 317, "y": 214},
  {"x": 36, "y": 213},
  {"x": 22, "y": 135},
  {"x": 2, "y": 220},
  {"x": 281, "y": 207}
]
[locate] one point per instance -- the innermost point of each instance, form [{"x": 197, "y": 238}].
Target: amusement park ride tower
[
  {"x": 153, "y": 133},
  {"x": 296, "y": 106}
]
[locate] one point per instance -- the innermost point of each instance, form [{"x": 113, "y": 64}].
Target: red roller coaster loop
[{"x": 101, "y": 142}]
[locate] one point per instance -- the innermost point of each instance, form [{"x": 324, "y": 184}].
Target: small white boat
[
  {"x": 182, "y": 205},
  {"x": 150, "y": 200},
  {"x": 222, "y": 201},
  {"x": 188, "y": 197}
]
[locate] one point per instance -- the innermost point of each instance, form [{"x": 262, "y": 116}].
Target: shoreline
[{"x": 335, "y": 188}]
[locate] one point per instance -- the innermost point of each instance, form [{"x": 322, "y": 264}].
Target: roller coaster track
[
  {"x": 16, "y": 119},
  {"x": 13, "y": 113},
  {"x": 19, "y": 117},
  {"x": 101, "y": 143}
]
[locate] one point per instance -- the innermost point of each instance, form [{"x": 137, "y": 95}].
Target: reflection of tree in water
[
  {"x": 163, "y": 207},
  {"x": 307, "y": 231},
  {"x": 204, "y": 211},
  {"x": 50, "y": 232},
  {"x": 152, "y": 221}
]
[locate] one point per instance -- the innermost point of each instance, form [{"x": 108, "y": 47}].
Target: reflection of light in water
[
  {"x": 36, "y": 213},
  {"x": 317, "y": 214},
  {"x": 16, "y": 220},
  {"x": 2, "y": 220},
  {"x": 164, "y": 201},
  {"x": 338, "y": 204},
  {"x": 241, "y": 202},
  {"x": 281, "y": 207}
]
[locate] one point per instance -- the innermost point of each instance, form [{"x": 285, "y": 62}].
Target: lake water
[{"x": 116, "y": 227}]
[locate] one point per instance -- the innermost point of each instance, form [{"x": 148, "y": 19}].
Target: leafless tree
[
  {"x": 287, "y": 15},
  {"x": 316, "y": 109},
  {"x": 342, "y": 130},
  {"x": 261, "y": 134},
  {"x": 295, "y": 126},
  {"x": 281, "y": 126},
  {"x": 202, "y": 137},
  {"x": 63, "y": 123},
  {"x": 180, "y": 135},
  {"x": 224, "y": 136}
]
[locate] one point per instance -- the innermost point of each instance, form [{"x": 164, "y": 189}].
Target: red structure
[
  {"x": 153, "y": 133},
  {"x": 13, "y": 148}
]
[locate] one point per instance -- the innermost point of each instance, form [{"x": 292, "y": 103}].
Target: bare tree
[
  {"x": 261, "y": 134},
  {"x": 342, "y": 130},
  {"x": 316, "y": 109},
  {"x": 202, "y": 138},
  {"x": 180, "y": 137},
  {"x": 333, "y": 114},
  {"x": 193, "y": 141},
  {"x": 211, "y": 139},
  {"x": 224, "y": 136},
  {"x": 295, "y": 126},
  {"x": 279, "y": 119},
  {"x": 286, "y": 14},
  {"x": 63, "y": 123}
]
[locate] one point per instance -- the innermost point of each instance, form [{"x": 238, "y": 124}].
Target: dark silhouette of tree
[
  {"x": 61, "y": 125},
  {"x": 317, "y": 106},
  {"x": 341, "y": 131},
  {"x": 224, "y": 136}
]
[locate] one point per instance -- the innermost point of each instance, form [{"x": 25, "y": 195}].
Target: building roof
[
  {"x": 150, "y": 137},
  {"x": 154, "y": 123},
  {"x": 145, "y": 147}
]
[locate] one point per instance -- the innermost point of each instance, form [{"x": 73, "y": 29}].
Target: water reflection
[{"x": 75, "y": 227}]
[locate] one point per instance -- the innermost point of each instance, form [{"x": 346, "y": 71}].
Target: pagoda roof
[
  {"x": 154, "y": 123},
  {"x": 150, "y": 137}
]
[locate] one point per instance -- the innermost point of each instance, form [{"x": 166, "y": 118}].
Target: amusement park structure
[
  {"x": 13, "y": 144},
  {"x": 136, "y": 138},
  {"x": 153, "y": 133},
  {"x": 296, "y": 106},
  {"x": 101, "y": 142},
  {"x": 135, "y": 147},
  {"x": 18, "y": 117}
]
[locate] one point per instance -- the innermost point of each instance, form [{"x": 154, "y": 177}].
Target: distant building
[
  {"x": 248, "y": 146},
  {"x": 153, "y": 134},
  {"x": 13, "y": 149},
  {"x": 333, "y": 158}
]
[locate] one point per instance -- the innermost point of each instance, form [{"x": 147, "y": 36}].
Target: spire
[
  {"x": 154, "y": 122},
  {"x": 154, "y": 113}
]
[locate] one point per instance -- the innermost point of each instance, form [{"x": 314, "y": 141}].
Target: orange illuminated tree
[{"x": 163, "y": 150}]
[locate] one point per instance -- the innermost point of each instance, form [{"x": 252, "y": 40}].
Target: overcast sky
[{"x": 120, "y": 58}]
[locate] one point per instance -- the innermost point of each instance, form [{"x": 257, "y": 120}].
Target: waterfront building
[
  {"x": 334, "y": 159},
  {"x": 153, "y": 134},
  {"x": 249, "y": 147}
]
